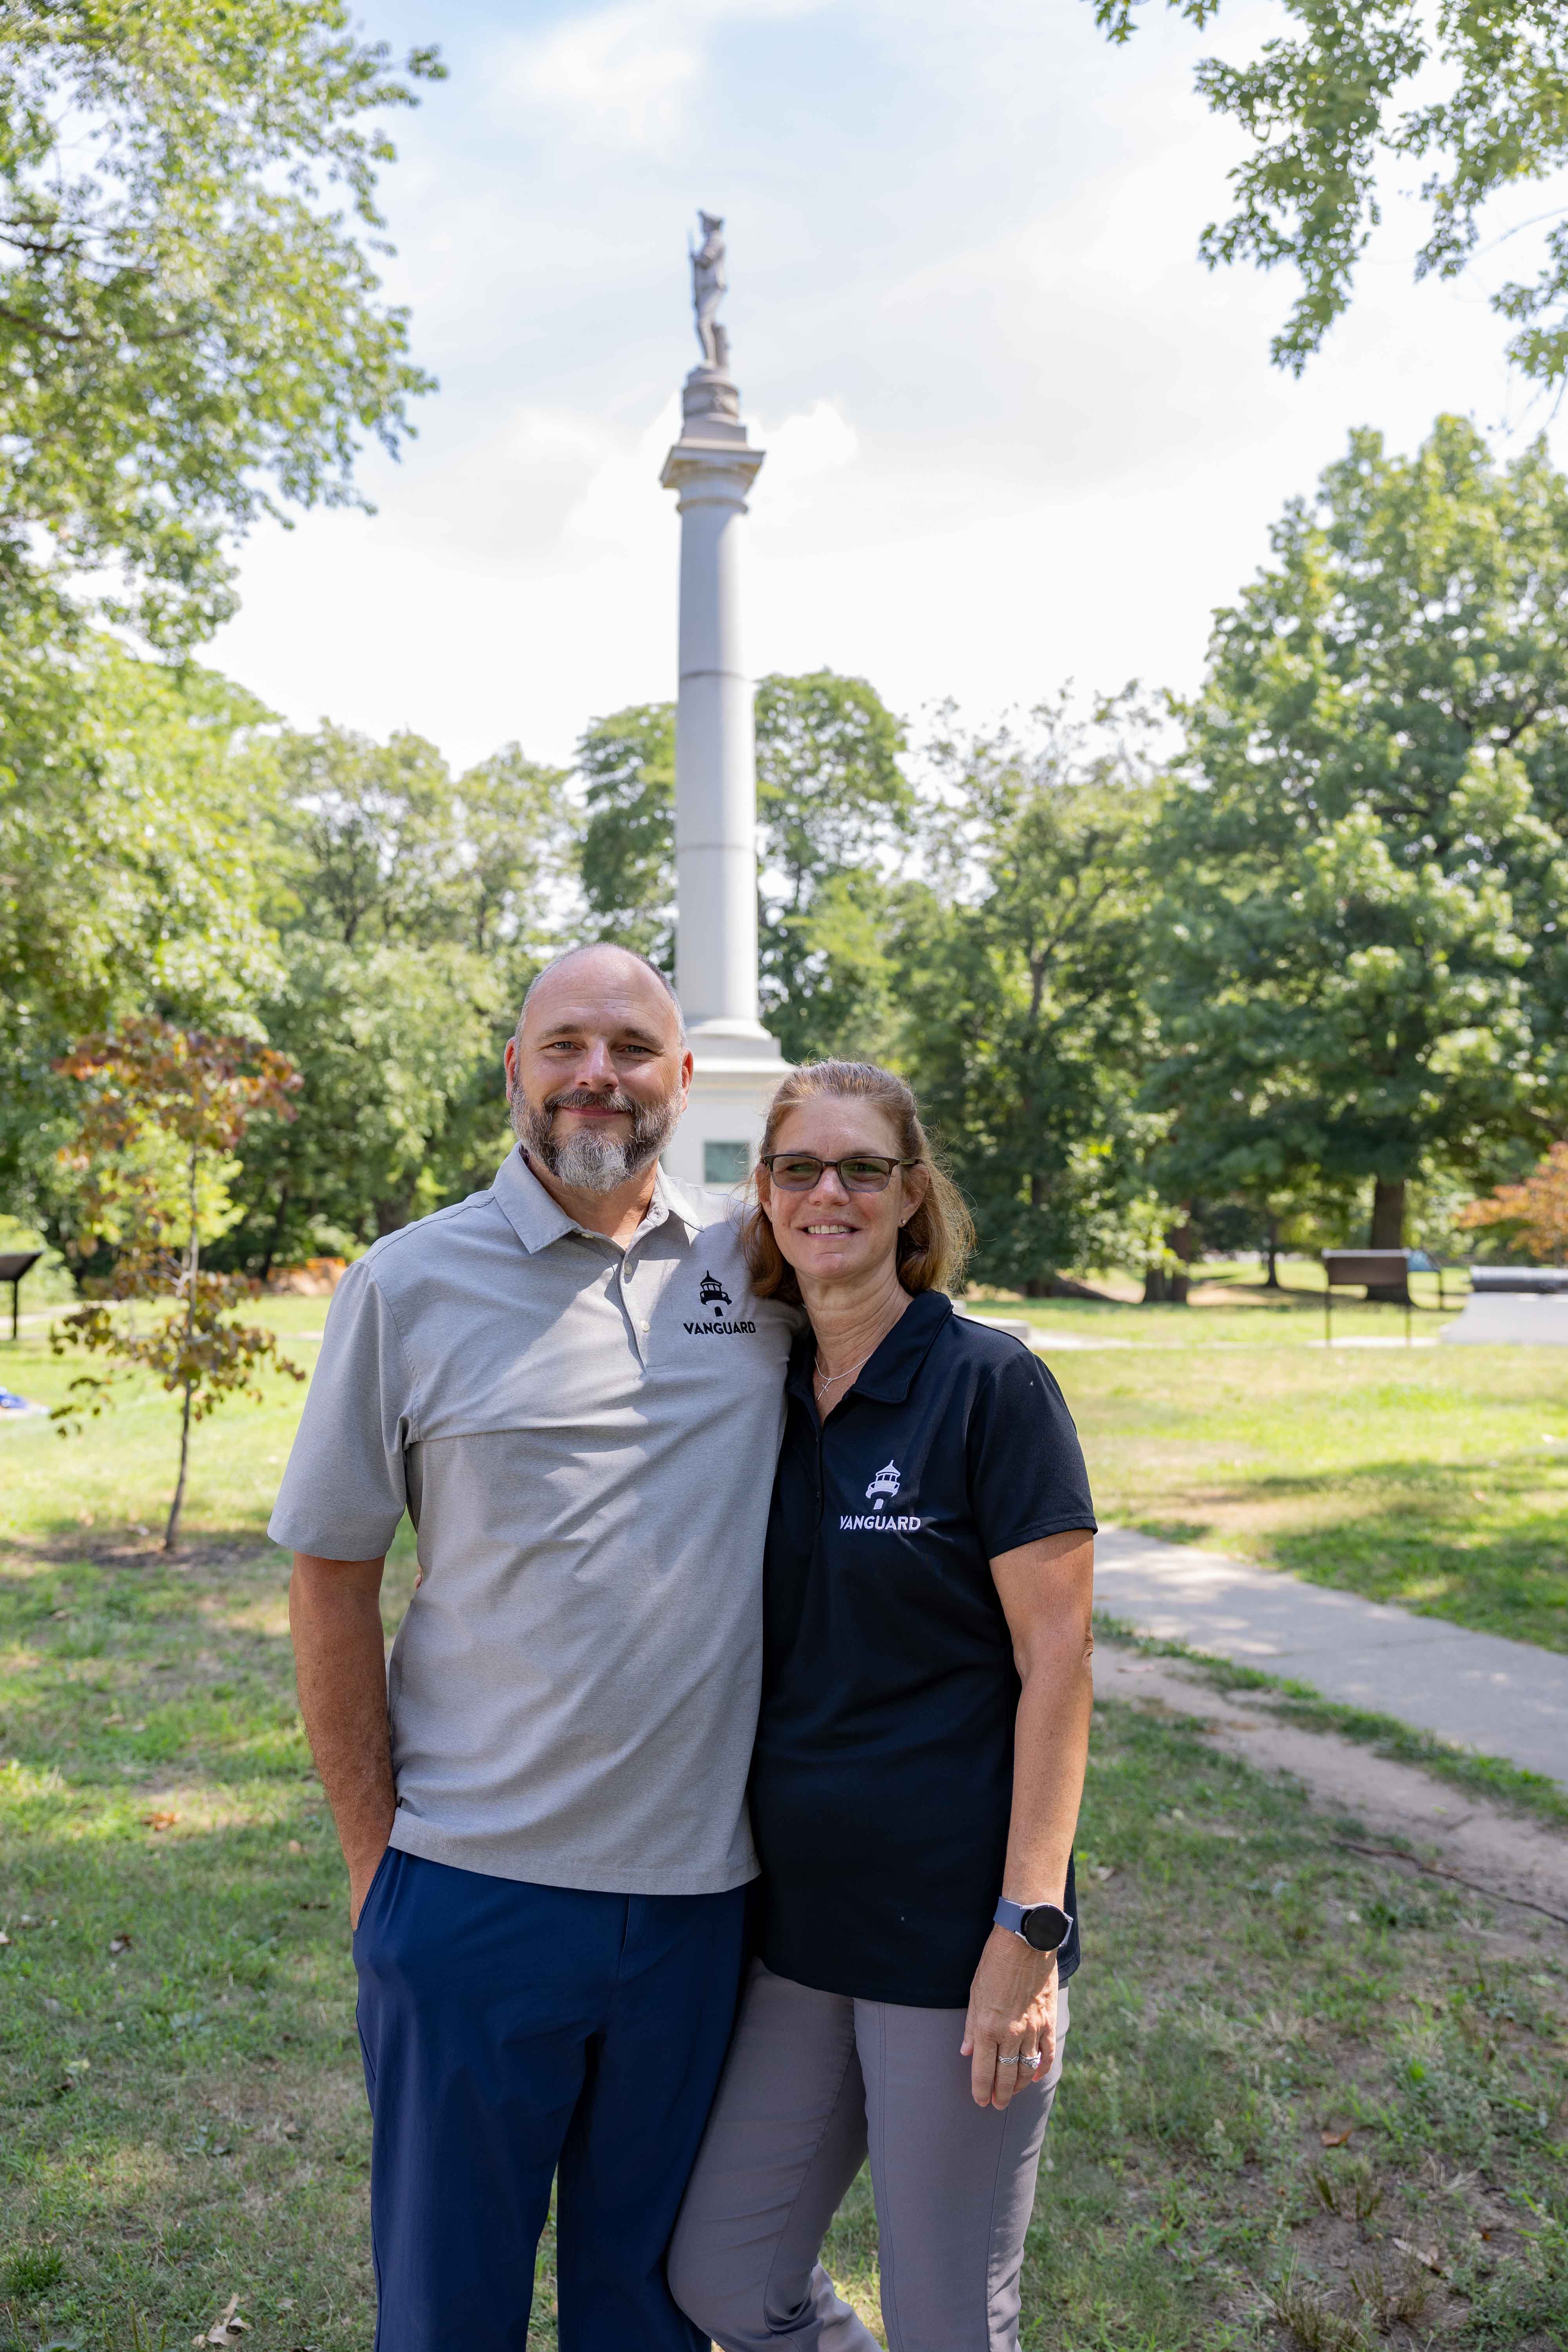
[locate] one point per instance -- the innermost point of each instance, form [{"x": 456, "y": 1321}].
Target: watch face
[{"x": 1044, "y": 1928}]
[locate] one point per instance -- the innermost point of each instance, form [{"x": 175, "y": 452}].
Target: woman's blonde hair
[{"x": 932, "y": 1246}]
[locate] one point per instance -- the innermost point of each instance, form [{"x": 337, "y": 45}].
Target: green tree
[
  {"x": 519, "y": 834},
  {"x": 627, "y": 858},
  {"x": 1324, "y": 108},
  {"x": 1363, "y": 881},
  {"x": 1018, "y": 979},
  {"x": 377, "y": 842},
  {"x": 834, "y": 805},
  {"x": 192, "y": 335},
  {"x": 370, "y": 845},
  {"x": 412, "y": 909},
  {"x": 401, "y": 1106},
  {"x": 190, "y": 326},
  {"x": 843, "y": 973},
  {"x": 128, "y": 871}
]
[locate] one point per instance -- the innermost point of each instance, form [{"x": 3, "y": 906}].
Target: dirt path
[{"x": 1483, "y": 1846}]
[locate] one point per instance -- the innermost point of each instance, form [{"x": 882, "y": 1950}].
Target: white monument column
[{"x": 711, "y": 468}]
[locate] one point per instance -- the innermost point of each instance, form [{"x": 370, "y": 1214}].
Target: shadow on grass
[
  {"x": 1494, "y": 1557},
  {"x": 1477, "y": 1546},
  {"x": 73, "y": 1546}
]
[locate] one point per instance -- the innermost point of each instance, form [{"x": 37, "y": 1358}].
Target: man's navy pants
[{"x": 512, "y": 2033}]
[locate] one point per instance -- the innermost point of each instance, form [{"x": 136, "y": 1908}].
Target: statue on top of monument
[{"x": 709, "y": 285}]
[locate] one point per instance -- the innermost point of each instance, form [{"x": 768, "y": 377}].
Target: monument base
[
  {"x": 738, "y": 1068},
  {"x": 1489, "y": 1320}
]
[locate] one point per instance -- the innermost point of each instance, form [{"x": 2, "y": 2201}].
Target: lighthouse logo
[
  {"x": 882, "y": 1490},
  {"x": 883, "y": 1486},
  {"x": 711, "y": 1293}
]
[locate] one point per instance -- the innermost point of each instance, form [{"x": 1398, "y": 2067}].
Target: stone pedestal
[{"x": 738, "y": 1065}]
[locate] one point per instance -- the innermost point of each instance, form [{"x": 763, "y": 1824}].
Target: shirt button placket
[{"x": 640, "y": 1323}]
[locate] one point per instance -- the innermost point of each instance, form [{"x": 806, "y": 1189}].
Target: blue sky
[{"x": 1016, "y": 433}]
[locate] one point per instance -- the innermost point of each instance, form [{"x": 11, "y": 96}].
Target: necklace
[
  {"x": 822, "y": 1380},
  {"x": 824, "y": 1383}
]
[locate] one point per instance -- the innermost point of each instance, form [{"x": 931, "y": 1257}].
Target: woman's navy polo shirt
[{"x": 882, "y": 1782}]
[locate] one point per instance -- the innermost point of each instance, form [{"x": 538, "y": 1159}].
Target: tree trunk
[
  {"x": 193, "y": 1264},
  {"x": 1155, "y": 1291},
  {"x": 1387, "y": 1213},
  {"x": 172, "y": 1532},
  {"x": 1388, "y": 1232},
  {"x": 1182, "y": 1243},
  {"x": 1038, "y": 1286},
  {"x": 1272, "y": 1281}
]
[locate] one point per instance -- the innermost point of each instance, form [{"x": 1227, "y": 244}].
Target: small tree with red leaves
[
  {"x": 1535, "y": 1215},
  {"x": 162, "y": 1111}
]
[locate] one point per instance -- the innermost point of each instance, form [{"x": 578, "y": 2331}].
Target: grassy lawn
[
  {"x": 183, "y": 2113},
  {"x": 1435, "y": 1476},
  {"x": 182, "y": 2118}
]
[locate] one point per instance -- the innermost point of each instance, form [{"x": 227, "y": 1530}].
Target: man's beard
[{"x": 586, "y": 1161}]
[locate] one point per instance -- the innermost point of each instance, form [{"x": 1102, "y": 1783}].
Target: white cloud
[
  {"x": 625, "y": 74},
  {"x": 622, "y": 501},
  {"x": 802, "y": 449},
  {"x": 620, "y": 73},
  {"x": 507, "y": 494}
]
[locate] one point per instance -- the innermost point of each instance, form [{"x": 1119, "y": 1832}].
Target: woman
[{"x": 919, "y": 1764}]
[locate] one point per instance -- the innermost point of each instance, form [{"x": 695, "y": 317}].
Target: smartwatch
[{"x": 1044, "y": 1926}]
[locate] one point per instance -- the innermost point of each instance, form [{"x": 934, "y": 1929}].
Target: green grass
[
  {"x": 118, "y": 1475},
  {"x": 182, "y": 2120},
  {"x": 1436, "y": 1477}
]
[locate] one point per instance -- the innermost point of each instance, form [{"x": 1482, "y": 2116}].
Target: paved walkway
[{"x": 1506, "y": 1698}]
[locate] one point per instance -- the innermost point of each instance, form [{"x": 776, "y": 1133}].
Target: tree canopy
[
  {"x": 1019, "y": 982},
  {"x": 833, "y": 805},
  {"x": 190, "y": 331},
  {"x": 628, "y": 766},
  {"x": 411, "y": 908},
  {"x": 1476, "y": 88},
  {"x": 129, "y": 869},
  {"x": 1364, "y": 869}
]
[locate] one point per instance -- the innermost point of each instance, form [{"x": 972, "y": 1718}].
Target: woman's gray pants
[{"x": 814, "y": 2083}]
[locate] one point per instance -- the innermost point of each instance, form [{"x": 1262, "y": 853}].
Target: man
[{"x": 542, "y": 1804}]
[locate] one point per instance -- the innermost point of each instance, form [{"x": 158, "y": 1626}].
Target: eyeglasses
[{"x": 802, "y": 1171}]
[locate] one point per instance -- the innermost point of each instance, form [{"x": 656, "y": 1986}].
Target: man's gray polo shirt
[{"x": 584, "y": 1440}]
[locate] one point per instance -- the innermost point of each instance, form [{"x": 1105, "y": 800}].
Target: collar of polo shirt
[
  {"x": 889, "y": 1373},
  {"x": 537, "y": 1219}
]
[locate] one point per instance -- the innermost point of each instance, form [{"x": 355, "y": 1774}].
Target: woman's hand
[{"x": 1010, "y": 2031}]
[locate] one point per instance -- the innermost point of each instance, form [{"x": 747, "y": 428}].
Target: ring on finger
[
  {"x": 1028, "y": 2058},
  {"x": 1009, "y": 2058}
]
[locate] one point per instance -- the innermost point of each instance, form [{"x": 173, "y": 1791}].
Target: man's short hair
[{"x": 587, "y": 947}]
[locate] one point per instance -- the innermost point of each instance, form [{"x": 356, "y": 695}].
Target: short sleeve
[
  {"x": 346, "y": 1488},
  {"x": 1027, "y": 1473}
]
